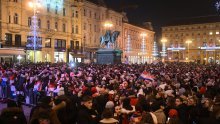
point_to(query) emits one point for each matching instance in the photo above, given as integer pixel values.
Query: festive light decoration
(155, 50)
(163, 53)
(143, 45)
(176, 49)
(128, 45)
(210, 48)
(34, 41)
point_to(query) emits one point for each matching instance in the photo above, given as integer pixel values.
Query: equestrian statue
(109, 39)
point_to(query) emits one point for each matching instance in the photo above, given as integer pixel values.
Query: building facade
(58, 35)
(65, 30)
(195, 39)
(95, 15)
(137, 43)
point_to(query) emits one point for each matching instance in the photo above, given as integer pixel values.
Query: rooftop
(194, 20)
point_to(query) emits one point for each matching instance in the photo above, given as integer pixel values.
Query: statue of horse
(114, 36)
(105, 38)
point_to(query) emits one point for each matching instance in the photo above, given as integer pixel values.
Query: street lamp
(188, 42)
(35, 4)
(19, 58)
(108, 25)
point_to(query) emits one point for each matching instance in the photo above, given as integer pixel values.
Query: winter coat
(161, 117)
(87, 116)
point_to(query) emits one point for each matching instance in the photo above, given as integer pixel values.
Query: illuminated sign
(176, 49)
(210, 48)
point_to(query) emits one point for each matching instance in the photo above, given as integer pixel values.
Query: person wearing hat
(173, 117)
(86, 114)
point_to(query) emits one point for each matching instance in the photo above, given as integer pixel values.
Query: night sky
(161, 12)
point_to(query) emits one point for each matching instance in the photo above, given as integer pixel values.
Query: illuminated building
(195, 39)
(137, 43)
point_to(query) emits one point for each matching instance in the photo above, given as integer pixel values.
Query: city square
(109, 62)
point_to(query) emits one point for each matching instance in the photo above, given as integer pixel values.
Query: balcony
(3, 44)
(14, 28)
(60, 49)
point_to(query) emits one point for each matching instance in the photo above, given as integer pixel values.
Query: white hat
(110, 105)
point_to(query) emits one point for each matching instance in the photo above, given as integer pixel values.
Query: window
(56, 10)
(72, 44)
(84, 26)
(30, 44)
(64, 12)
(77, 30)
(48, 7)
(90, 14)
(17, 40)
(94, 28)
(16, 18)
(29, 21)
(64, 44)
(77, 14)
(39, 23)
(90, 27)
(72, 28)
(48, 24)
(9, 19)
(64, 27)
(56, 25)
(73, 14)
(84, 12)
(8, 39)
(48, 42)
(60, 43)
(77, 45)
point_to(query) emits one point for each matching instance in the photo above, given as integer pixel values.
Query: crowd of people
(177, 93)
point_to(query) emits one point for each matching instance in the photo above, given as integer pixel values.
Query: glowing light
(72, 64)
(108, 24)
(210, 33)
(128, 45)
(217, 5)
(188, 41)
(164, 40)
(53, 4)
(31, 4)
(19, 57)
(163, 53)
(179, 48)
(155, 50)
(143, 44)
(209, 48)
(217, 32)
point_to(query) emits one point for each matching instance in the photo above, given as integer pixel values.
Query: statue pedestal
(108, 56)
